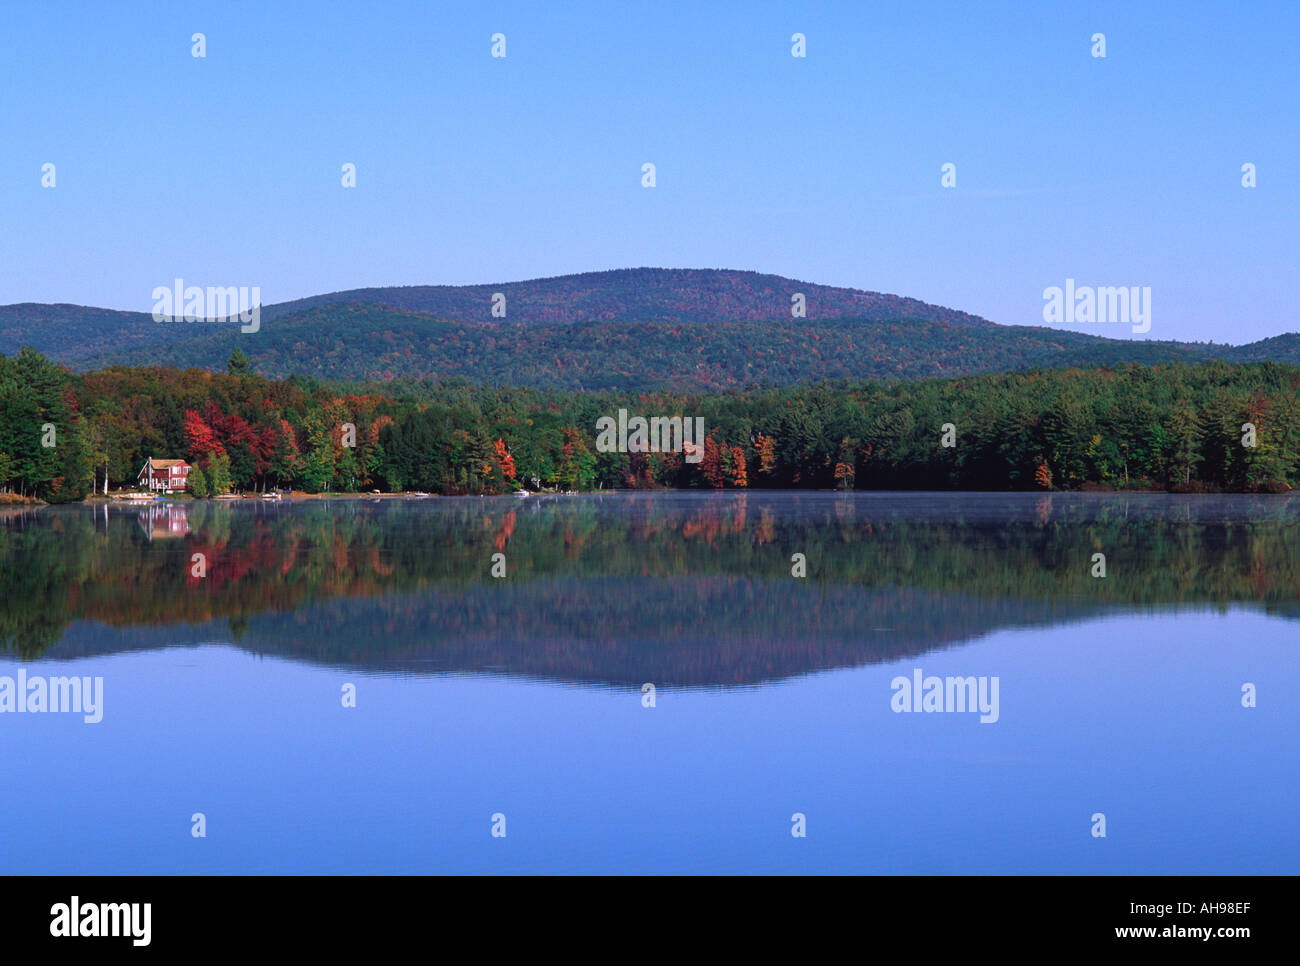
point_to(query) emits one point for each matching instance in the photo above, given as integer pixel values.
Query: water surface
(524, 695)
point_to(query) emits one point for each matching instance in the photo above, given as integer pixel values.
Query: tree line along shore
(1213, 427)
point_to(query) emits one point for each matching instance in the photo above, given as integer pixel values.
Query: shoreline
(301, 496)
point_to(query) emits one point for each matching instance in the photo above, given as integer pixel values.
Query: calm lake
(231, 638)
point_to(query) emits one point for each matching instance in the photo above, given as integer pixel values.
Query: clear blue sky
(226, 170)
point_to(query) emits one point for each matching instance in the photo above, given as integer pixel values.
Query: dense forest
(635, 330)
(1180, 427)
(377, 343)
(71, 333)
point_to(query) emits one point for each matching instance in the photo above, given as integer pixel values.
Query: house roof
(165, 464)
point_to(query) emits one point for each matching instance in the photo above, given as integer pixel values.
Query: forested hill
(628, 330)
(643, 295)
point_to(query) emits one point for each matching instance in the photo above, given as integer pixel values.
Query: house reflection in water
(163, 520)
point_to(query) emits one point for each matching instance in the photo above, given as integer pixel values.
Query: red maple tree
(200, 437)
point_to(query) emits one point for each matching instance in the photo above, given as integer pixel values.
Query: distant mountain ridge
(627, 329)
(642, 295)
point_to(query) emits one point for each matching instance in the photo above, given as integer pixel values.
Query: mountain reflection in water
(683, 589)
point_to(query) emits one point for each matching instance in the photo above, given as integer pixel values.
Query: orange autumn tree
(711, 464)
(505, 461)
(739, 476)
(1043, 476)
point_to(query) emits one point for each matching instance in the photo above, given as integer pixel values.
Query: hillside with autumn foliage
(632, 330)
(64, 435)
